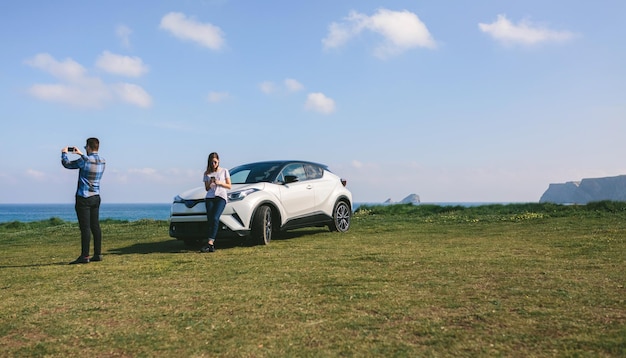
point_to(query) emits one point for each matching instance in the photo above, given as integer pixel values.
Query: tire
(341, 217)
(262, 225)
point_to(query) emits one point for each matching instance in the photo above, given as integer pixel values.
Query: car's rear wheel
(262, 225)
(341, 217)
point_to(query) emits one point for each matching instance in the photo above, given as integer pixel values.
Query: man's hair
(93, 143)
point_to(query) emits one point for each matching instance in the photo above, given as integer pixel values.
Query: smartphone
(71, 149)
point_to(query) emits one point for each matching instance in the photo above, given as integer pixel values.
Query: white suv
(267, 197)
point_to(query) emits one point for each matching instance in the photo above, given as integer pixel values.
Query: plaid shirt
(91, 169)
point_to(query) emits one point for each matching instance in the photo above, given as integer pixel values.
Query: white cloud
(290, 86)
(524, 32)
(80, 96)
(401, 31)
(133, 94)
(204, 34)
(68, 70)
(357, 164)
(35, 174)
(78, 89)
(293, 85)
(143, 171)
(215, 97)
(318, 102)
(121, 65)
(267, 87)
(124, 32)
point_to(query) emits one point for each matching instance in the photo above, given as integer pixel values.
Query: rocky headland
(586, 191)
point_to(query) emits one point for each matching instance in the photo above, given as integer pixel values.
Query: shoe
(95, 258)
(80, 260)
(208, 248)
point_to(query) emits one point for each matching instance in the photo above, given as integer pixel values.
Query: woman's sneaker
(208, 248)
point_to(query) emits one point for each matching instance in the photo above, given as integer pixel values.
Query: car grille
(191, 203)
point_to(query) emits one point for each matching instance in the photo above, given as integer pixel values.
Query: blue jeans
(214, 209)
(88, 214)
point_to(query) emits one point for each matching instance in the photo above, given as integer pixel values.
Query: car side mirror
(290, 179)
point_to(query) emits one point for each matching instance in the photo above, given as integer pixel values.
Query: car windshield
(255, 173)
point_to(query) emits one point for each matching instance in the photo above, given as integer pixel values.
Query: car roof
(283, 162)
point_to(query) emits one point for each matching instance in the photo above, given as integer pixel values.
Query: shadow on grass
(172, 247)
(288, 235)
(178, 246)
(62, 263)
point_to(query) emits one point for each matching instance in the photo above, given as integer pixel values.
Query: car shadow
(179, 247)
(288, 235)
(170, 247)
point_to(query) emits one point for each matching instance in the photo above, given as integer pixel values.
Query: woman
(217, 183)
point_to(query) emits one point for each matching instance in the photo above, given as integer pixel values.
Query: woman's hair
(212, 156)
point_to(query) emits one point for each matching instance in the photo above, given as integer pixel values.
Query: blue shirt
(91, 169)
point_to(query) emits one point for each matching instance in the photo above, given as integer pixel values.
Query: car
(267, 198)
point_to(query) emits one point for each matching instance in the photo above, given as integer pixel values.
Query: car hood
(199, 192)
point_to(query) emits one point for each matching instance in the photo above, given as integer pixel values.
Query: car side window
(313, 171)
(296, 170)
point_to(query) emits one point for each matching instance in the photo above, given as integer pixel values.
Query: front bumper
(191, 223)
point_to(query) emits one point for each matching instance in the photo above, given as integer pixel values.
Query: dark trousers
(214, 209)
(88, 213)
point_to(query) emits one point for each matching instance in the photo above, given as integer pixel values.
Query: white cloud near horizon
(79, 89)
(318, 102)
(524, 32)
(185, 28)
(400, 30)
(124, 32)
(35, 174)
(121, 65)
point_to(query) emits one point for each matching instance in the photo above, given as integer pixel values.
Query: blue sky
(456, 101)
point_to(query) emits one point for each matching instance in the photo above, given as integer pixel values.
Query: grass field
(405, 281)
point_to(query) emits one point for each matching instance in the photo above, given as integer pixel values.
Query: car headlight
(240, 194)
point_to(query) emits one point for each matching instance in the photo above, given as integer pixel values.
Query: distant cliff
(411, 199)
(586, 190)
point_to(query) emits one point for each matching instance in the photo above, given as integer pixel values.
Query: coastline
(137, 211)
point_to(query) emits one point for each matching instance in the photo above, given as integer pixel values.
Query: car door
(297, 197)
(322, 188)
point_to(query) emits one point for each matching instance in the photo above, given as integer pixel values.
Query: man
(91, 167)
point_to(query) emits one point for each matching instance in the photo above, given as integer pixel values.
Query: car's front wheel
(262, 225)
(341, 217)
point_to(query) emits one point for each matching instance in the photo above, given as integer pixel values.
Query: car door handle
(309, 186)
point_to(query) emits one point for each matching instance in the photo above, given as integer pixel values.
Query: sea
(125, 212)
(65, 212)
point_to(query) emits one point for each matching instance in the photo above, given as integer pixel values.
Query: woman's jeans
(214, 209)
(88, 214)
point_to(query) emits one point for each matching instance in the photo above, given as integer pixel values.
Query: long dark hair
(209, 167)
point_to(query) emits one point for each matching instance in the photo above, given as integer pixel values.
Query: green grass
(514, 280)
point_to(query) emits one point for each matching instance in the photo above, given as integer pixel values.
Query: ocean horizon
(128, 211)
